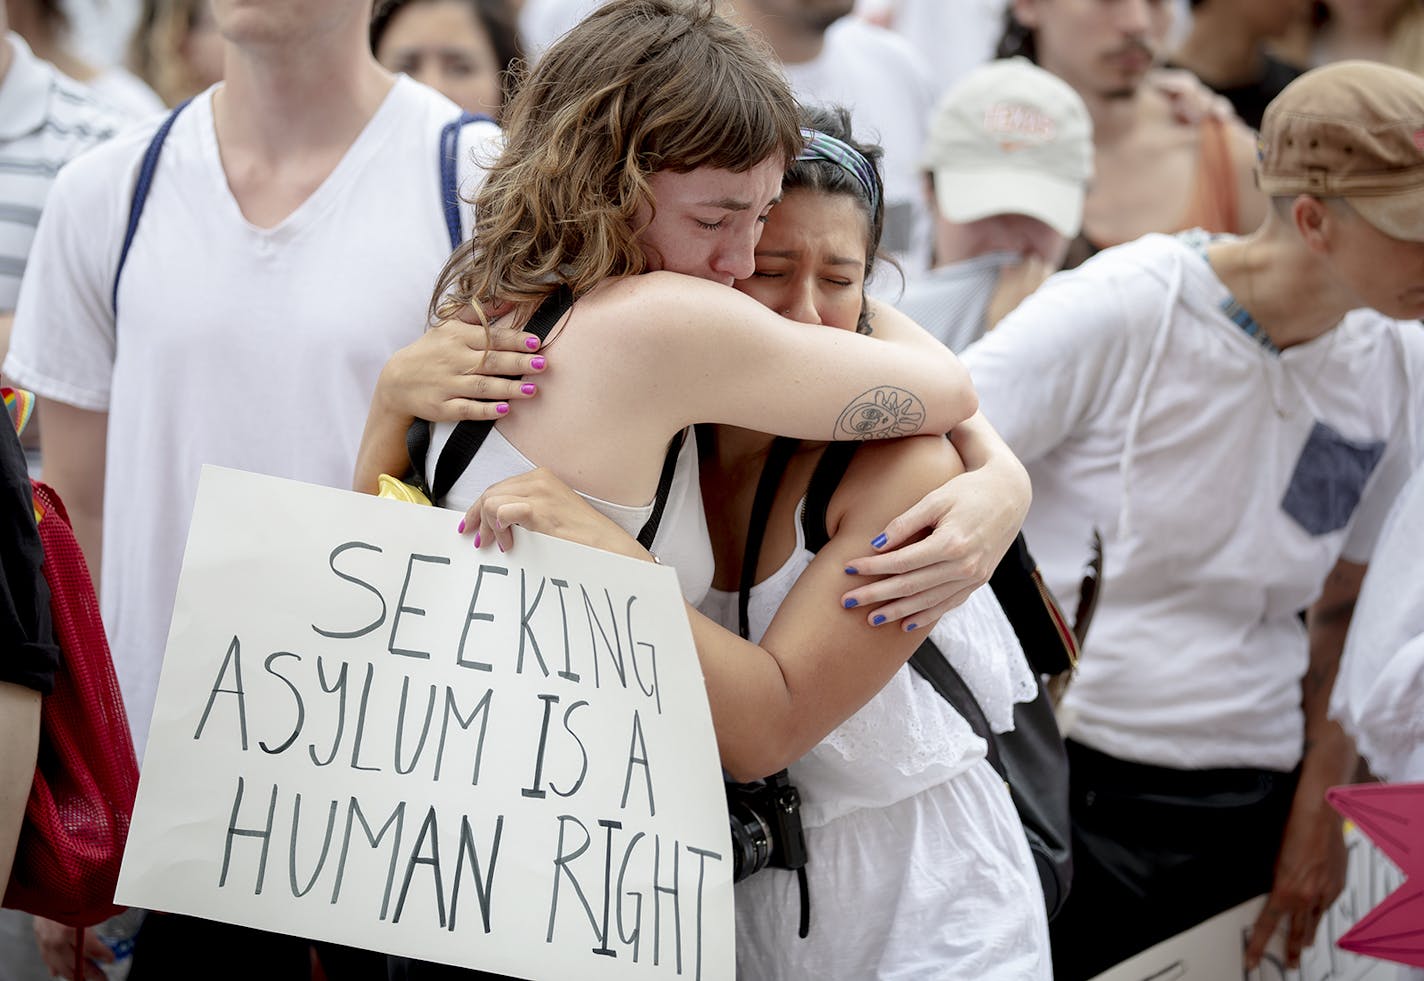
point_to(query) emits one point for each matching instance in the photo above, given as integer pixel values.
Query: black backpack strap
(934, 667)
(824, 481)
(450, 171)
(1043, 631)
(140, 196)
(777, 460)
(469, 434)
(650, 527)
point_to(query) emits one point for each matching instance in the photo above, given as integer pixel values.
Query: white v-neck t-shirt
(254, 348)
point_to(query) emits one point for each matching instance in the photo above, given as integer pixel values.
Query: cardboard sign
(370, 733)
(1212, 951)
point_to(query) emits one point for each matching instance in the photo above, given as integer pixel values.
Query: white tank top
(681, 543)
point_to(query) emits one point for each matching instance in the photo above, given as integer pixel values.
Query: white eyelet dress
(918, 866)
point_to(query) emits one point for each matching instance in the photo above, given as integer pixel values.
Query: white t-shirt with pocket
(1226, 481)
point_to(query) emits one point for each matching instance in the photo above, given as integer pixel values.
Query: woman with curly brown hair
(642, 154)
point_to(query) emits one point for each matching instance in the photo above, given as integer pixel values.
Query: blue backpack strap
(140, 195)
(450, 170)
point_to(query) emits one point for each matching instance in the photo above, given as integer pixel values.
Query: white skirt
(939, 885)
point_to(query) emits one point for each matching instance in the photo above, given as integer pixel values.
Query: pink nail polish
(501, 547)
(537, 363)
(527, 388)
(502, 408)
(477, 539)
(532, 343)
(461, 530)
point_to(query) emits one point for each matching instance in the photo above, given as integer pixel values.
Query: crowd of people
(1139, 279)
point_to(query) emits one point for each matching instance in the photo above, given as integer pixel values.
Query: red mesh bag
(77, 818)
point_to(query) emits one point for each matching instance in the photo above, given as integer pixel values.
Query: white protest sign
(1212, 951)
(370, 733)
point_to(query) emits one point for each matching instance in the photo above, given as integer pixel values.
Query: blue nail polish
(851, 602)
(913, 626)
(879, 541)
(878, 619)
(851, 571)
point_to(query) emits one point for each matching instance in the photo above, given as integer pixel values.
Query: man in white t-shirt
(293, 231)
(1007, 164)
(831, 58)
(1234, 416)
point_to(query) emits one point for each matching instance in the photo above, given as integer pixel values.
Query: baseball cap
(1011, 138)
(1352, 129)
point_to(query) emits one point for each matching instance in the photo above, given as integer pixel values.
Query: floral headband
(820, 146)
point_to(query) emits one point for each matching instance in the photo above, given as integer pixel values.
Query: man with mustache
(1154, 172)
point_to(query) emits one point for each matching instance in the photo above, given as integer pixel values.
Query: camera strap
(779, 457)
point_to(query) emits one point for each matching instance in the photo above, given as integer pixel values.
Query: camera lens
(751, 840)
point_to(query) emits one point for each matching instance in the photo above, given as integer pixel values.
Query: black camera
(766, 826)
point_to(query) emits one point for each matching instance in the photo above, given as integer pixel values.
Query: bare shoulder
(1162, 124)
(662, 304)
(887, 476)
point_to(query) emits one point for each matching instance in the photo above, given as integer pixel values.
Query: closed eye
(711, 226)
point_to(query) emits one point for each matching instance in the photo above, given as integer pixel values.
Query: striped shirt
(951, 301)
(46, 119)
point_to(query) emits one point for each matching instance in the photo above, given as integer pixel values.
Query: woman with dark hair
(464, 49)
(917, 864)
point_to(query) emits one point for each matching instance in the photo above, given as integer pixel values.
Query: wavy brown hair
(637, 87)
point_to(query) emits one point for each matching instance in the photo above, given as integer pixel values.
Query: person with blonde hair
(176, 48)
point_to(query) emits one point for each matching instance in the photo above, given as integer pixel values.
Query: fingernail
(913, 626)
(527, 388)
(532, 343)
(851, 602)
(502, 408)
(461, 530)
(477, 539)
(501, 546)
(878, 619)
(851, 571)
(879, 542)
(537, 363)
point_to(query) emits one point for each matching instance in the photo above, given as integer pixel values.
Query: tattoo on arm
(881, 413)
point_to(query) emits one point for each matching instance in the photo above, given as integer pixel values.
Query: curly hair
(638, 87)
